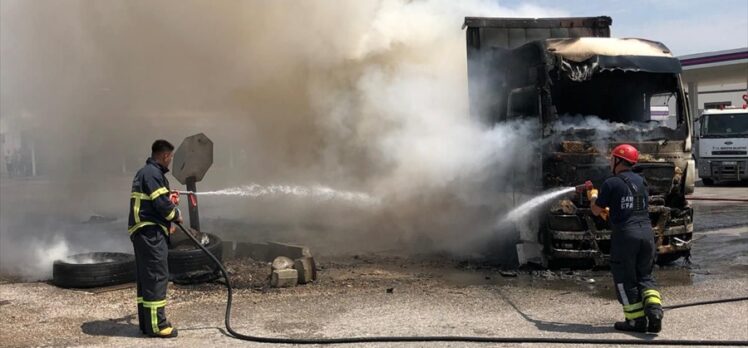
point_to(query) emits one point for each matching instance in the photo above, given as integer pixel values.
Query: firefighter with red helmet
(632, 247)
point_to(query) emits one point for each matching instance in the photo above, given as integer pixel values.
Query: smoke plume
(361, 96)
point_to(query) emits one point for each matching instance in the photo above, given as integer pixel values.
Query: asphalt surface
(383, 294)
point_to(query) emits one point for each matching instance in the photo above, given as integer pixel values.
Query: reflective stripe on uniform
(139, 195)
(138, 225)
(633, 307)
(633, 311)
(140, 300)
(172, 214)
(135, 227)
(634, 315)
(652, 297)
(154, 306)
(154, 319)
(157, 304)
(136, 210)
(157, 192)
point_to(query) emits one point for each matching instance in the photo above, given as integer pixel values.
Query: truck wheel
(707, 181)
(189, 264)
(93, 270)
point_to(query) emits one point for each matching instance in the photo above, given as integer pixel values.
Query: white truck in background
(722, 145)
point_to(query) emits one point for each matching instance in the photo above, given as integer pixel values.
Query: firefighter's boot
(167, 332)
(653, 310)
(654, 316)
(633, 325)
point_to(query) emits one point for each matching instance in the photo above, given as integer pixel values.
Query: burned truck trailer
(585, 93)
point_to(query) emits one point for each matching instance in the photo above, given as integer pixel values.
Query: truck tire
(707, 181)
(93, 270)
(189, 264)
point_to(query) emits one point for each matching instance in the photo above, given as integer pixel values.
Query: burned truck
(585, 93)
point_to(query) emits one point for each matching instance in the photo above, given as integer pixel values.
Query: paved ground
(430, 296)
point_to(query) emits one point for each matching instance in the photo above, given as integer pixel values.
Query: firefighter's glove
(605, 214)
(592, 194)
(174, 197)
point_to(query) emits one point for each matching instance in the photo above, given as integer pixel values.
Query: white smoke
(364, 96)
(603, 132)
(604, 128)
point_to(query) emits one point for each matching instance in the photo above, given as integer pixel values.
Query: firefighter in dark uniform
(151, 214)
(632, 246)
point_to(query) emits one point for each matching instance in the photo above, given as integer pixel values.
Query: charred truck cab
(586, 93)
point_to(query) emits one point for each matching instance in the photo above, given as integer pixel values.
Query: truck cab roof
(731, 111)
(583, 48)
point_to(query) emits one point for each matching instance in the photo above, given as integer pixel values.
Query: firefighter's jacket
(149, 201)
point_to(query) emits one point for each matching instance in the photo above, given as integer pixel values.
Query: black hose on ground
(474, 339)
(701, 303)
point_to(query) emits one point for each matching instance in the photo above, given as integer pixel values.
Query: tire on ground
(189, 264)
(93, 270)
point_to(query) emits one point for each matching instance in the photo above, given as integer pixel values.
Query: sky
(685, 26)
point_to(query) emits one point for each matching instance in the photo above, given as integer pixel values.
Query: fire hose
(474, 339)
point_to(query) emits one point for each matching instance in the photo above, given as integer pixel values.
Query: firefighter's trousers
(152, 276)
(632, 256)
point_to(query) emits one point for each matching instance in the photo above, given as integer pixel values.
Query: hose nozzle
(190, 195)
(183, 193)
(587, 186)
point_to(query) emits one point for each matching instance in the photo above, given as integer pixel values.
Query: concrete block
(307, 269)
(257, 251)
(289, 250)
(268, 252)
(293, 251)
(284, 278)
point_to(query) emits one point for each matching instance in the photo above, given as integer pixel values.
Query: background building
(716, 79)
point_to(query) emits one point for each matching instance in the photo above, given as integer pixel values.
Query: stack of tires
(189, 264)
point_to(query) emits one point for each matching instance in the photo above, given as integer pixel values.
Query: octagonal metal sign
(193, 158)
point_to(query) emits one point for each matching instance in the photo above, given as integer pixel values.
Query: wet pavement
(711, 215)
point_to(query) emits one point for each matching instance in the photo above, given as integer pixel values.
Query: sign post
(191, 161)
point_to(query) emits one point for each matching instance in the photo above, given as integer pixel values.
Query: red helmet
(626, 152)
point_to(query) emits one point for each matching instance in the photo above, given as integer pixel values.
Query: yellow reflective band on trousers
(633, 311)
(154, 306)
(652, 297)
(157, 304)
(140, 300)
